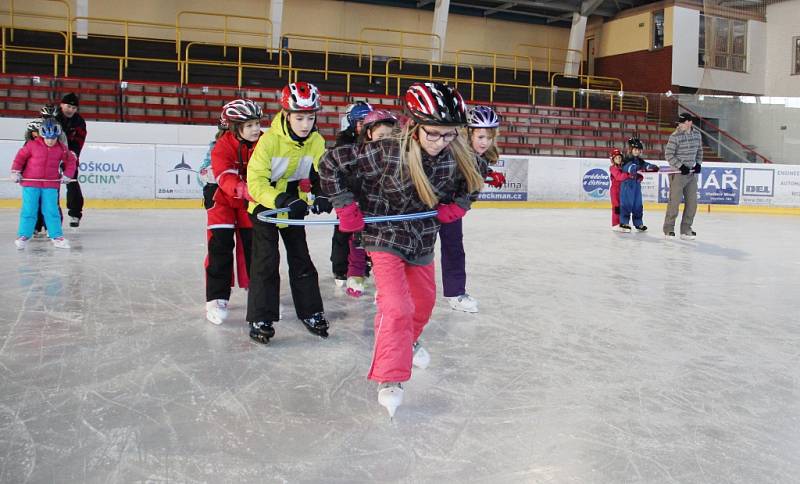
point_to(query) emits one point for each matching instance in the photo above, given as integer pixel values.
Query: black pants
(221, 257)
(263, 298)
(74, 198)
(340, 249)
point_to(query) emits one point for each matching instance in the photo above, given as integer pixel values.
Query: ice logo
(596, 183)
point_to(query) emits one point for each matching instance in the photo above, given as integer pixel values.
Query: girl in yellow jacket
(278, 177)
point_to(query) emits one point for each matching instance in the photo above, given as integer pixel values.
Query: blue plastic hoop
(266, 216)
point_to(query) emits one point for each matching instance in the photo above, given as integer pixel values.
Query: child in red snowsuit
(617, 177)
(229, 226)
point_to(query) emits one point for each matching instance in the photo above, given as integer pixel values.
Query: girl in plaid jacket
(428, 167)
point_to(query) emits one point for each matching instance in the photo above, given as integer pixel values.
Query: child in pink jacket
(36, 168)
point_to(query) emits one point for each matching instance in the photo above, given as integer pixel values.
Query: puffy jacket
(229, 160)
(75, 129)
(39, 161)
(279, 163)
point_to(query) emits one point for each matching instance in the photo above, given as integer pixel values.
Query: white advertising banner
(515, 169)
(176, 171)
(117, 171)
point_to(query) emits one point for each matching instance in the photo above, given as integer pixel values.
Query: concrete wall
(784, 26)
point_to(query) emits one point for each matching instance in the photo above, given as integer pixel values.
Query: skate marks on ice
(594, 358)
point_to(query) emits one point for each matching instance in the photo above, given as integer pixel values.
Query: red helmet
(239, 111)
(435, 103)
(378, 116)
(300, 96)
(614, 153)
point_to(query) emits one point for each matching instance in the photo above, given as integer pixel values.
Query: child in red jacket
(36, 168)
(229, 226)
(617, 177)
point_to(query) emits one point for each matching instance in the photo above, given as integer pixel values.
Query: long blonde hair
(411, 156)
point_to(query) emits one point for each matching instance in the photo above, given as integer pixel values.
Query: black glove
(321, 204)
(298, 209)
(697, 168)
(684, 169)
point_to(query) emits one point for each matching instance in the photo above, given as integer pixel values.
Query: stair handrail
(726, 134)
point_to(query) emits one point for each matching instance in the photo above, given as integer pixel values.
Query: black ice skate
(262, 331)
(641, 228)
(317, 324)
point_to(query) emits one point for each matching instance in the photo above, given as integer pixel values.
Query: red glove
(449, 212)
(241, 192)
(305, 185)
(350, 218)
(495, 179)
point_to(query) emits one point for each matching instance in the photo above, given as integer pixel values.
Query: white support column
(439, 28)
(82, 26)
(577, 34)
(276, 17)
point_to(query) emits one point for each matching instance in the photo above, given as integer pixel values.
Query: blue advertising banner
(717, 185)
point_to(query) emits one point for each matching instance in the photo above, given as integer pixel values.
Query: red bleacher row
(525, 130)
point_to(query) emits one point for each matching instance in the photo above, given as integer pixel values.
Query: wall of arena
(147, 165)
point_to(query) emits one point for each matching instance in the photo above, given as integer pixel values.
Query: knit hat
(70, 99)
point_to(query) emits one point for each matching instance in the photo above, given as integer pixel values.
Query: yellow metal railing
(127, 25)
(402, 44)
(494, 56)
(549, 57)
(327, 41)
(398, 76)
(591, 82)
(239, 65)
(32, 50)
(225, 30)
(66, 18)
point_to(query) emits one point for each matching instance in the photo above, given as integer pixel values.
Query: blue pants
(630, 202)
(454, 274)
(31, 198)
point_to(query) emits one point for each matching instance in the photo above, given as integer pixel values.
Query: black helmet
(635, 143)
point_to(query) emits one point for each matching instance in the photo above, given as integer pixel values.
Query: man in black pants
(75, 128)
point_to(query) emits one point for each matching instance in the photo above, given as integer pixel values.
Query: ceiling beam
(422, 3)
(500, 8)
(515, 12)
(588, 7)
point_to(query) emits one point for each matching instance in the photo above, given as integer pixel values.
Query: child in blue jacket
(630, 195)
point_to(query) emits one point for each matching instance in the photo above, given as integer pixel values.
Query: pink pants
(406, 295)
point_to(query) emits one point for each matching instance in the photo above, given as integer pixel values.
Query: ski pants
(40, 218)
(263, 298)
(614, 203)
(681, 186)
(32, 198)
(356, 258)
(406, 294)
(74, 197)
(630, 202)
(229, 234)
(340, 251)
(454, 273)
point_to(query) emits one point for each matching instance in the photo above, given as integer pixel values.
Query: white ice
(596, 357)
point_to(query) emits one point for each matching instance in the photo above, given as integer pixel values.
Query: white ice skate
(217, 311)
(340, 282)
(390, 395)
(61, 243)
(690, 236)
(421, 356)
(355, 286)
(618, 228)
(464, 302)
(21, 242)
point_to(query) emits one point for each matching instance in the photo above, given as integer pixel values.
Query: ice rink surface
(596, 357)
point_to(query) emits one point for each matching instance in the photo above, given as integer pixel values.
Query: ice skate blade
(259, 338)
(213, 319)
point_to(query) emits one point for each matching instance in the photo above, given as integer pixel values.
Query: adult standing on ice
(684, 152)
(75, 128)
(429, 167)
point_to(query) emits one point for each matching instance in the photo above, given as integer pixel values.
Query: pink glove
(350, 218)
(241, 192)
(449, 212)
(305, 185)
(495, 179)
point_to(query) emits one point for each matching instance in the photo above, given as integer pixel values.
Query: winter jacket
(633, 164)
(39, 161)
(75, 129)
(684, 148)
(229, 159)
(387, 189)
(617, 177)
(279, 163)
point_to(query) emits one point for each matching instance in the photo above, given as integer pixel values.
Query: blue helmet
(50, 129)
(358, 112)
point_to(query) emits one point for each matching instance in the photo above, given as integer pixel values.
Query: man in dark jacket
(75, 128)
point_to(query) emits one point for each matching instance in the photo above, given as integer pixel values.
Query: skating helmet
(50, 129)
(240, 111)
(614, 153)
(436, 104)
(300, 96)
(35, 125)
(379, 116)
(358, 112)
(48, 111)
(483, 117)
(635, 143)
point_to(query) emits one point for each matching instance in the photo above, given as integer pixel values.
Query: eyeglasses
(434, 136)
